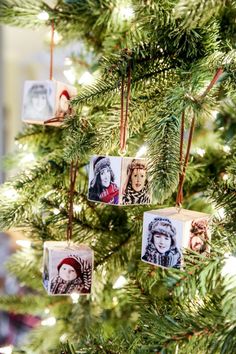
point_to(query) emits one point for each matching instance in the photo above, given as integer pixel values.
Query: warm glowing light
(142, 151)
(23, 243)
(46, 311)
(221, 213)
(125, 12)
(57, 37)
(86, 79)
(10, 193)
(70, 75)
(214, 114)
(77, 208)
(75, 297)
(229, 268)
(56, 211)
(226, 148)
(50, 321)
(67, 61)
(225, 177)
(43, 16)
(28, 158)
(200, 152)
(63, 338)
(6, 350)
(120, 282)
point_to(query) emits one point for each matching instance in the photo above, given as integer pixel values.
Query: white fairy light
(70, 75)
(226, 148)
(28, 158)
(23, 243)
(6, 350)
(47, 311)
(86, 78)
(77, 208)
(200, 152)
(50, 321)
(229, 268)
(56, 211)
(120, 282)
(75, 297)
(214, 114)
(125, 12)
(10, 193)
(63, 338)
(221, 213)
(43, 16)
(225, 177)
(56, 38)
(142, 151)
(67, 61)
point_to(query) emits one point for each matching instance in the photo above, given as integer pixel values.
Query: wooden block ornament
(166, 232)
(67, 268)
(118, 180)
(46, 100)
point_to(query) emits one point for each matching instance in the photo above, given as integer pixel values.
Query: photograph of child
(199, 236)
(74, 274)
(135, 188)
(63, 104)
(38, 100)
(104, 172)
(160, 244)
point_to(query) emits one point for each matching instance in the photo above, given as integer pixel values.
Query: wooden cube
(118, 180)
(46, 100)
(166, 232)
(67, 268)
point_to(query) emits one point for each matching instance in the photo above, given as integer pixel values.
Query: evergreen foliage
(173, 48)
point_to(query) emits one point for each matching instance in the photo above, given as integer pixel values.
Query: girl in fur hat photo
(74, 275)
(135, 188)
(161, 248)
(199, 237)
(103, 187)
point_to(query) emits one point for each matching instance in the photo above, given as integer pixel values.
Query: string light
(28, 158)
(11, 194)
(229, 270)
(221, 213)
(142, 151)
(70, 75)
(225, 177)
(120, 282)
(50, 321)
(63, 338)
(200, 152)
(75, 297)
(46, 311)
(77, 208)
(56, 211)
(57, 37)
(226, 148)
(23, 243)
(125, 12)
(43, 16)
(86, 78)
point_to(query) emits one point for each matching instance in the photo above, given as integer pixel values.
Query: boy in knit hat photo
(103, 181)
(74, 275)
(160, 244)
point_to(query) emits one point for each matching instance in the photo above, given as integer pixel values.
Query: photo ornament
(118, 180)
(67, 268)
(167, 232)
(46, 100)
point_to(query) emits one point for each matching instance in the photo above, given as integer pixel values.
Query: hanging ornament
(67, 267)
(166, 232)
(48, 101)
(118, 180)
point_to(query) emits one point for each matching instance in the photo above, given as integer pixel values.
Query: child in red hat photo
(74, 275)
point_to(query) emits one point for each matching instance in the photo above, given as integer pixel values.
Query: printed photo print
(135, 187)
(38, 100)
(71, 272)
(162, 241)
(199, 237)
(104, 179)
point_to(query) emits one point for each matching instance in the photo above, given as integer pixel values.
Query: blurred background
(24, 55)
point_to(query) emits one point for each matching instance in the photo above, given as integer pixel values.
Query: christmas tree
(170, 65)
